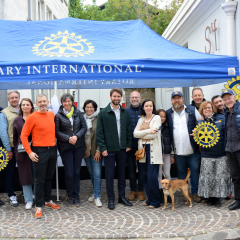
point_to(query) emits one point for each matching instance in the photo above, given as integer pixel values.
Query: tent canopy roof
(98, 54)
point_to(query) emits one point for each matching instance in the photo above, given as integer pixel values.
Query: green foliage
(121, 10)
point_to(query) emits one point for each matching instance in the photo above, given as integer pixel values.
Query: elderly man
(43, 153)
(218, 103)
(182, 120)
(114, 138)
(6, 134)
(198, 97)
(135, 113)
(232, 129)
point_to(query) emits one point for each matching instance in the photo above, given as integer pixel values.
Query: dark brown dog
(170, 187)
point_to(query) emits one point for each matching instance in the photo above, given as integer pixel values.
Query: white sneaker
(98, 202)
(28, 205)
(13, 201)
(91, 199)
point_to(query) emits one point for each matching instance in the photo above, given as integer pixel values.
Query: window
(29, 10)
(48, 14)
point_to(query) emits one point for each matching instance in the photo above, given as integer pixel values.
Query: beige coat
(155, 139)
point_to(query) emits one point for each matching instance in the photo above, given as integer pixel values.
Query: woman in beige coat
(147, 132)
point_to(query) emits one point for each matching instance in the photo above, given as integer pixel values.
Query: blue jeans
(194, 161)
(27, 189)
(150, 179)
(95, 172)
(131, 163)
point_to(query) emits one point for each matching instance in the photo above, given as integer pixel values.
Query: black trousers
(44, 170)
(72, 160)
(120, 157)
(234, 164)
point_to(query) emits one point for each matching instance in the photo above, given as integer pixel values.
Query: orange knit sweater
(42, 128)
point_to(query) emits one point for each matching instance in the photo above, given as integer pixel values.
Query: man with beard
(114, 138)
(218, 103)
(6, 134)
(43, 153)
(232, 130)
(198, 97)
(182, 120)
(135, 113)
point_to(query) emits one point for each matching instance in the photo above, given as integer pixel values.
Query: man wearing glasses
(135, 113)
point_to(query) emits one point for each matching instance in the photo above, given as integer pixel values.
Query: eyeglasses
(89, 107)
(207, 108)
(134, 97)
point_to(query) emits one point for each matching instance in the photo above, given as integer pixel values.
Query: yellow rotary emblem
(63, 44)
(3, 158)
(206, 134)
(234, 85)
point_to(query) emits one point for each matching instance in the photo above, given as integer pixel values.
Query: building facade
(208, 26)
(31, 10)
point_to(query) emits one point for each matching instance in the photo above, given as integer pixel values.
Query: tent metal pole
(57, 184)
(78, 96)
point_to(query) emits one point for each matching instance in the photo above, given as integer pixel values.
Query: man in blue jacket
(181, 120)
(135, 113)
(232, 129)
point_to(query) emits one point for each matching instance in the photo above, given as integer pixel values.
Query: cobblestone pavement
(137, 221)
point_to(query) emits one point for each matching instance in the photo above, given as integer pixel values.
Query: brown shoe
(141, 196)
(196, 198)
(132, 196)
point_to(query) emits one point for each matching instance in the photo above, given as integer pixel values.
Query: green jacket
(107, 134)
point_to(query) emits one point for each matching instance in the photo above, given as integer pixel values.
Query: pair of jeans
(233, 159)
(72, 161)
(95, 172)
(10, 170)
(120, 157)
(131, 163)
(150, 179)
(194, 161)
(44, 171)
(27, 189)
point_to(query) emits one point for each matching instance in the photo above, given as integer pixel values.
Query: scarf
(210, 119)
(89, 120)
(69, 115)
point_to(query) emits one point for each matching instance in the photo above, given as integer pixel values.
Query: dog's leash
(163, 172)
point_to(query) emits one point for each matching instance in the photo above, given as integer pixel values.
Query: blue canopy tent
(96, 54)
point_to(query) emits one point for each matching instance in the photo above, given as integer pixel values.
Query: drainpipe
(229, 8)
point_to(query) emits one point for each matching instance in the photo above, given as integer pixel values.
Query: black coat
(64, 129)
(166, 140)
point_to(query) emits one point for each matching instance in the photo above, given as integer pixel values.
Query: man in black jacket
(114, 138)
(198, 97)
(135, 113)
(218, 103)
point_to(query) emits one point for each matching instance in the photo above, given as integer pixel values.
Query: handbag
(140, 153)
(21, 149)
(86, 152)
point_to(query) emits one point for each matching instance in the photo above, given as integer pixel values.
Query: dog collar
(169, 187)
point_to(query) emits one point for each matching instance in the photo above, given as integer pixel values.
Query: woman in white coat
(147, 132)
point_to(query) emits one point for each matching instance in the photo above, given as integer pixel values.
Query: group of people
(115, 134)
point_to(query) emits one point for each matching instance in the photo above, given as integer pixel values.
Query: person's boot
(235, 205)
(218, 202)
(132, 195)
(141, 196)
(210, 201)
(161, 195)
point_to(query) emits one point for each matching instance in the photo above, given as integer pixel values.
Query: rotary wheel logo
(234, 85)
(63, 44)
(206, 134)
(3, 158)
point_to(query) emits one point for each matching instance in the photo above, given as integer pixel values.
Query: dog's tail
(188, 174)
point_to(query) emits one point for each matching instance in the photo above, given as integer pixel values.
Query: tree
(120, 10)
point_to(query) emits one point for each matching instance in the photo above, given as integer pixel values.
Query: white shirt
(182, 144)
(117, 114)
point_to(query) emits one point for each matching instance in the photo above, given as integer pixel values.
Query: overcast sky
(99, 2)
